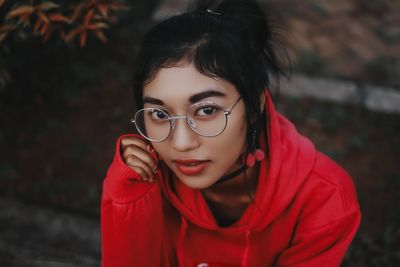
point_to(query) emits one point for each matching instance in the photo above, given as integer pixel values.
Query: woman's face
(196, 160)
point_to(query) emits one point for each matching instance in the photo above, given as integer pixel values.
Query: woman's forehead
(183, 82)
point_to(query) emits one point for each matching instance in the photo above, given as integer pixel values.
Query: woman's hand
(136, 154)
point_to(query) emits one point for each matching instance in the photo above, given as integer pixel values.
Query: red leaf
(88, 17)
(83, 38)
(44, 28)
(63, 35)
(58, 17)
(43, 17)
(25, 19)
(3, 36)
(37, 25)
(77, 11)
(47, 35)
(7, 28)
(99, 25)
(91, 3)
(119, 6)
(100, 35)
(71, 35)
(103, 9)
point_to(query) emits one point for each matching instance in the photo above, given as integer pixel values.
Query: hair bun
(249, 18)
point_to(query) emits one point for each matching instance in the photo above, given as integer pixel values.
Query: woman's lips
(190, 166)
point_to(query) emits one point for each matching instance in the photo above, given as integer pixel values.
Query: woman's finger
(131, 140)
(141, 154)
(139, 166)
(140, 172)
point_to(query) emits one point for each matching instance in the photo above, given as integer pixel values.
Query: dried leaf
(63, 35)
(44, 29)
(43, 17)
(100, 35)
(119, 6)
(71, 35)
(91, 3)
(47, 6)
(47, 36)
(58, 17)
(25, 19)
(98, 17)
(5, 76)
(21, 10)
(103, 9)
(112, 19)
(83, 38)
(88, 18)
(37, 25)
(3, 36)
(7, 28)
(97, 26)
(77, 12)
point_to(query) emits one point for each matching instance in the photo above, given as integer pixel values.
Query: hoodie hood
(291, 158)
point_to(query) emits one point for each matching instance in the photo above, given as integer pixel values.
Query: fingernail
(155, 169)
(150, 148)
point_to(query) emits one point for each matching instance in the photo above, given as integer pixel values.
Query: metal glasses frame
(189, 121)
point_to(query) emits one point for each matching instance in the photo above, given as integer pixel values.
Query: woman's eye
(158, 115)
(207, 111)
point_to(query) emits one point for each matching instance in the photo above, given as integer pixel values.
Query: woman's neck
(229, 200)
(241, 187)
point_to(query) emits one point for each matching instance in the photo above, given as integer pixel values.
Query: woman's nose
(183, 137)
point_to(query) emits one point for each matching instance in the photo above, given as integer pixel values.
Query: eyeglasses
(207, 119)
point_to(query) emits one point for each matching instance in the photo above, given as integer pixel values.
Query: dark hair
(235, 42)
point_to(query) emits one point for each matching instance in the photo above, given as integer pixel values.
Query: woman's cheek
(160, 150)
(230, 148)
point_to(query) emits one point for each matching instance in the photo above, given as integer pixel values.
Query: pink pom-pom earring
(257, 155)
(251, 159)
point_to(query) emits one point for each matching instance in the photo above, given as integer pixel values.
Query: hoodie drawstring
(246, 250)
(182, 233)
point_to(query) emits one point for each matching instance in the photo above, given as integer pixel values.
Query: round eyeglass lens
(207, 119)
(153, 123)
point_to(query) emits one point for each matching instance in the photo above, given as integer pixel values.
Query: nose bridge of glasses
(173, 119)
(182, 132)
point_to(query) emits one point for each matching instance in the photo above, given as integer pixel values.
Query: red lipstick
(190, 166)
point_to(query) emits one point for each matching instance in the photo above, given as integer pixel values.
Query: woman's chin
(198, 182)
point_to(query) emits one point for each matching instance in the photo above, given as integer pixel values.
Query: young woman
(216, 177)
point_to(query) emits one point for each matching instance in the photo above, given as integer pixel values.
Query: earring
(257, 155)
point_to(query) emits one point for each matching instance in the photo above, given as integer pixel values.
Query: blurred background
(65, 97)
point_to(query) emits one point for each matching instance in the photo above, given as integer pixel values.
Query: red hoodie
(305, 213)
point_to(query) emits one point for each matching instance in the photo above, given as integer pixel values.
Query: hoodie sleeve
(131, 218)
(328, 222)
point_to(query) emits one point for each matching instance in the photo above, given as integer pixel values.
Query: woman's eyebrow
(193, 99)
(200, 96)
(151, 100)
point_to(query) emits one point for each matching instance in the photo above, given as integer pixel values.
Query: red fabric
(305, 213)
